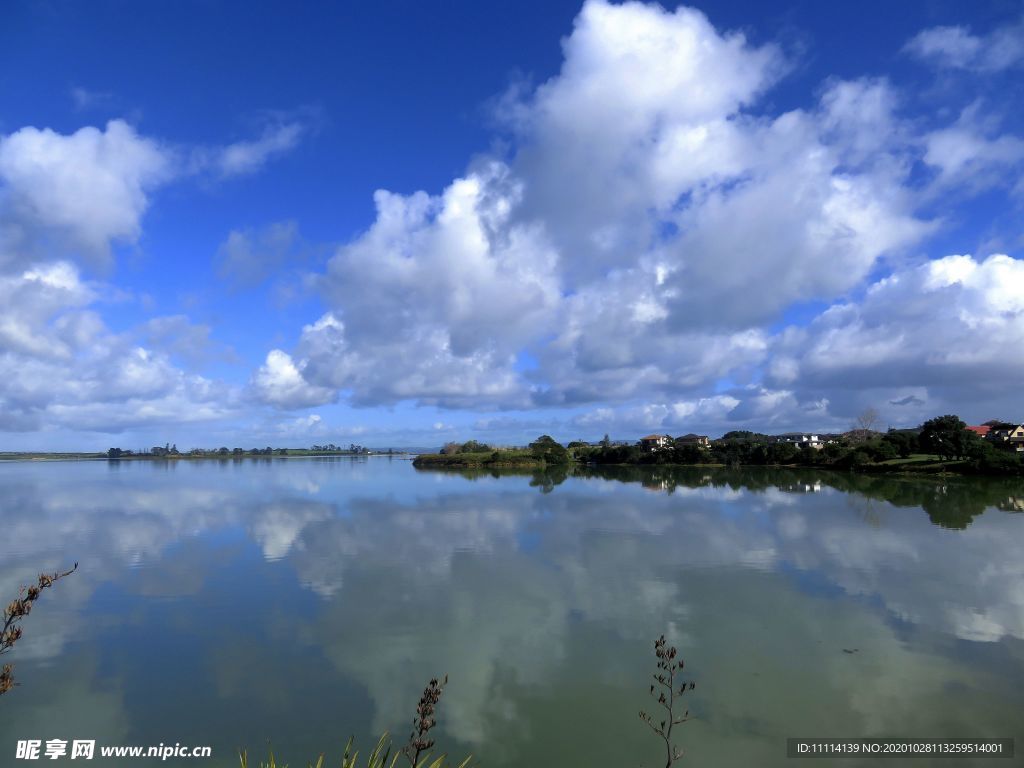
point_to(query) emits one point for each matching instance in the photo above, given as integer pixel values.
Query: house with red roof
(655, 442)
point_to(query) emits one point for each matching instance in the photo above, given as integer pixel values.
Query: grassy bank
(501, 459)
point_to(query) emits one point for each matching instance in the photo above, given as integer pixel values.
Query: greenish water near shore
(226, 603)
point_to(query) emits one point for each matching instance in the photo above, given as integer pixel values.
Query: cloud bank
(639, 248)
(656, 245)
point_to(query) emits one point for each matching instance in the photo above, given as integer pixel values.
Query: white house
(803, 439)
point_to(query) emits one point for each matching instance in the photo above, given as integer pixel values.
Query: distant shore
(920, 465)
(37, 456)
(290, 453)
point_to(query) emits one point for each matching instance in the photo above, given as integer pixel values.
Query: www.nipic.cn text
(54, 749)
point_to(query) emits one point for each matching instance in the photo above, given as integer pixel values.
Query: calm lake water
(305, 600)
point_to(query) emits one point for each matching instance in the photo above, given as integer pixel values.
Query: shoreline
(930, 469)
(14, 456)
(427, 461)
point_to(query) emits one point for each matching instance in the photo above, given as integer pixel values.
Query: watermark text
(82, 749)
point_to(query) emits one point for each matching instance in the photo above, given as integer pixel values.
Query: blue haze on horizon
(398, 224)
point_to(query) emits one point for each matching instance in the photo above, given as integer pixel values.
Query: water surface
(301, 601)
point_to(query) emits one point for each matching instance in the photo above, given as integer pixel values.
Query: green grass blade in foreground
(378, 758)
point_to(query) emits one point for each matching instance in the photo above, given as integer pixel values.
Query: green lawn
(914, 458)
(499, 458)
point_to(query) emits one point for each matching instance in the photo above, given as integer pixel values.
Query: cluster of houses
(658, 442)
(1002, 434)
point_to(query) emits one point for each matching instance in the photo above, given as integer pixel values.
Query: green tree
(948, 437)
(903, 440)
(880, 450)
(782, 453)
(548, 450)
(832, 452)
(687, 454)
(745, 435)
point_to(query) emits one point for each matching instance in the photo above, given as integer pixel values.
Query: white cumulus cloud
(280, 382)
(948, 329)
(82, 190)
(643, 232)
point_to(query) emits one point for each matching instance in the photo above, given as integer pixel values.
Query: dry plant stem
(15, 612)
(419, 742)
(666, 681)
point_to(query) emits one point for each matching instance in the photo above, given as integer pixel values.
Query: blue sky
(405, 223)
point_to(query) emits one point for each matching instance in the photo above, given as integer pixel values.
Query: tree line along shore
(171, 452)
(942, 444)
